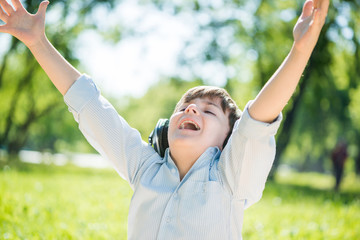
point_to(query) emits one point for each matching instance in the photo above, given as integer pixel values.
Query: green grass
(304, 206)
(48, 202)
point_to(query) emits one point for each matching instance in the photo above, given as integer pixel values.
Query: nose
(192, 108)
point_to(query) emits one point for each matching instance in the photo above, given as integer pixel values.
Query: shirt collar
(209, 156)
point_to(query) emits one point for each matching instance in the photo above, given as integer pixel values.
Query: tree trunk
(13, 45)
(13, 105)
(285, 134)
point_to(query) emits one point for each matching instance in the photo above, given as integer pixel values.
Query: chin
(192, 145)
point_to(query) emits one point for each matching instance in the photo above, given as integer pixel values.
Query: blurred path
(78, 159)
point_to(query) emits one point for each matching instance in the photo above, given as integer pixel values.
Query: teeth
(182, 126)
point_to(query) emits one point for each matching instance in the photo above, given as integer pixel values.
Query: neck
(184, 160)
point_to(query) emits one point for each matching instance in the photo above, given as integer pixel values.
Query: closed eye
(210, 112)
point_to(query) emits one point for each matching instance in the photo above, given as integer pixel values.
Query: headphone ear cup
(163, 139)
(158, 137)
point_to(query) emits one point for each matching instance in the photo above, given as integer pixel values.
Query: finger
(8, 9)
(317, 23)
(324, 5)
(321, 12)
(3, 15)
(42, 8)
(17, 4)
(316, 3)
(319, 17)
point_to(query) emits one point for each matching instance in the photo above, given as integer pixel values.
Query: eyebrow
(213, 104)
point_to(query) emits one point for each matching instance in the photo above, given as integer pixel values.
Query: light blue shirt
(209, 202)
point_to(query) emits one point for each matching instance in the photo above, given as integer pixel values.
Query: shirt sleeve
(246, 160)
(106, 130)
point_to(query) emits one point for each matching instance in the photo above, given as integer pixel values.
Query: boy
(215, 166)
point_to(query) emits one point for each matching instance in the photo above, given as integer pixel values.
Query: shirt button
(173, 170)
(168, 220)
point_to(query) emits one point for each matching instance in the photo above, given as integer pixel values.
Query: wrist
(300, 53)
(39, 44)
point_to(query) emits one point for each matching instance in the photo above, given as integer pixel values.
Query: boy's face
(198, 124)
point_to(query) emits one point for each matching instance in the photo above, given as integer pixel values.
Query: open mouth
(190, 125)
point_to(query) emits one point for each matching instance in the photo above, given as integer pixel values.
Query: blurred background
(145, 54)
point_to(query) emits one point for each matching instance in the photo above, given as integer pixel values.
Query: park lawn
(304, 206)
(49, 202)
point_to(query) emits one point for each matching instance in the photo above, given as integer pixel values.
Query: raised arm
(277, 91)
(30, 29)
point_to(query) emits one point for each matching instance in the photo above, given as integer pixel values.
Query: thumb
(308, 9)
(3, 28)
(42, 8)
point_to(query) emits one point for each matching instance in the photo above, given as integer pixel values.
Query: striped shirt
(209, 202)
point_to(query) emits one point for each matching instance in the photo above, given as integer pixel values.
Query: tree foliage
(33, 113)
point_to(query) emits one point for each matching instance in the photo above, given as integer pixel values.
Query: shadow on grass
(299, 192)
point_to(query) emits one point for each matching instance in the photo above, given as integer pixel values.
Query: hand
(308, 27)
(28, 28)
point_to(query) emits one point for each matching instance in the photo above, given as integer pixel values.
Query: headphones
(159, 136)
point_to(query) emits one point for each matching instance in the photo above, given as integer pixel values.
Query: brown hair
(227, 103)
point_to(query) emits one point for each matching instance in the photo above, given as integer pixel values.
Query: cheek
(220, 132)
(172, 126)
(172, 121)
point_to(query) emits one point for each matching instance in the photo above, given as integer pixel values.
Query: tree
(25, 92)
